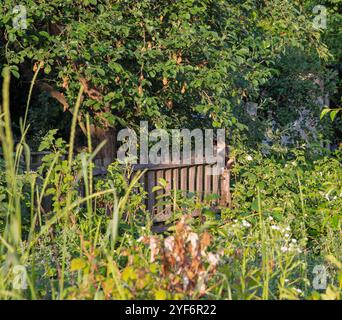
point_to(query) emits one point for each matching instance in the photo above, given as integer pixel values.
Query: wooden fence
(189, 178)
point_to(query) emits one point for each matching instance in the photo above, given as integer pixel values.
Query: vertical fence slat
(207, 180)
(215, 189)
(191, 180)
(199, 181)
(151, 182)
(225, 191)
(175, 179)
(168, 178)
(184, 179)
(159, 174)
(176, 176)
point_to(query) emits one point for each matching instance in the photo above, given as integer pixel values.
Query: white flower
(275, 227)
(294, 241)
(270, 218)
(169, 243)
(284, 249)
(193, 239)
(298, 290)
(141, 239)
(154, 249)
(246, 224)
(185, 282)
(213, 259)
(202, 288)
(287, 235)
(249, 158)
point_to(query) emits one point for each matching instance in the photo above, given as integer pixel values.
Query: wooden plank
(175, 183)
(199, 182)
(208, 180)
(159, 174)
(175, 179)
(163, 166)
(151, 182)
(225, 188)
(191, 179)
(215, 188)
(184, 180)
(168, 178)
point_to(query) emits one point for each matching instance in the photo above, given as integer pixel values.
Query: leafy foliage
(172, 63)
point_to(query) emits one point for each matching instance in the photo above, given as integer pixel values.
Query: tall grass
(18, 249)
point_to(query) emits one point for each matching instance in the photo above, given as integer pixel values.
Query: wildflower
(275, 227)
(246, 224)
(294, 241)
(249, 158)
(185, 282)
(154, 248)
(202, 288)
(298, 290)
(284, 249)
(213, 259)
(141, 239)
(193, 239)
(169, 243)
(270, 218)
(287, 235)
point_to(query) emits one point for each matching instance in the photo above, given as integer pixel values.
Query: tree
(173, 63)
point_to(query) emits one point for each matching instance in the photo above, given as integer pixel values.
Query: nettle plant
(174, 63)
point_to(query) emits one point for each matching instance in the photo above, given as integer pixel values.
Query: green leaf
(15, 73)
(156, 188)
(324, 112)
(333, 114)
(101, 72)
(162, 182)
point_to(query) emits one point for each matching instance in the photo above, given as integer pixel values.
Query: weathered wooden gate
(191, 178)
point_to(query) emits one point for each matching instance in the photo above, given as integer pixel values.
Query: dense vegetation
(84, 69)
